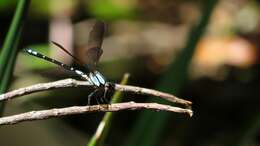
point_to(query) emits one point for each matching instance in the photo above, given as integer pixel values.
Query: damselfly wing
(92, 55)
(94, 51)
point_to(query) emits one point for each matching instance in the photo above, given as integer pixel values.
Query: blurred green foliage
(149, 128)
(109, 9)
(4, 4)
(105, 9)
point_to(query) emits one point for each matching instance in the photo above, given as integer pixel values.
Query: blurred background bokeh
(205, 51)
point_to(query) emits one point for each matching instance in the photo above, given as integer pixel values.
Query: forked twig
(44, 114)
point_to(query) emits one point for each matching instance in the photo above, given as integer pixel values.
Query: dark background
(169, 45)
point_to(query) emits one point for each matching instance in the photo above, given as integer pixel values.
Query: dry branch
(57, 112)
(74, 83)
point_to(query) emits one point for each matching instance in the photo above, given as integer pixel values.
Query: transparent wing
(67, 52)
(94, 50)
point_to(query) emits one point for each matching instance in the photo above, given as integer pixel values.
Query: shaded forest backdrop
(205, 51)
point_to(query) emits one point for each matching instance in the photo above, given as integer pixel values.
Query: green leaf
(10, 49)
(16, 25)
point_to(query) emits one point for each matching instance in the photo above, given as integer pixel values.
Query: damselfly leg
(99, 98)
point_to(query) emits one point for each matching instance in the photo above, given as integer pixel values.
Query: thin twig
(75, 83)
(57, 112)
(151, 92)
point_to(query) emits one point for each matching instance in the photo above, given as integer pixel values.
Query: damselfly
(93, 54)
